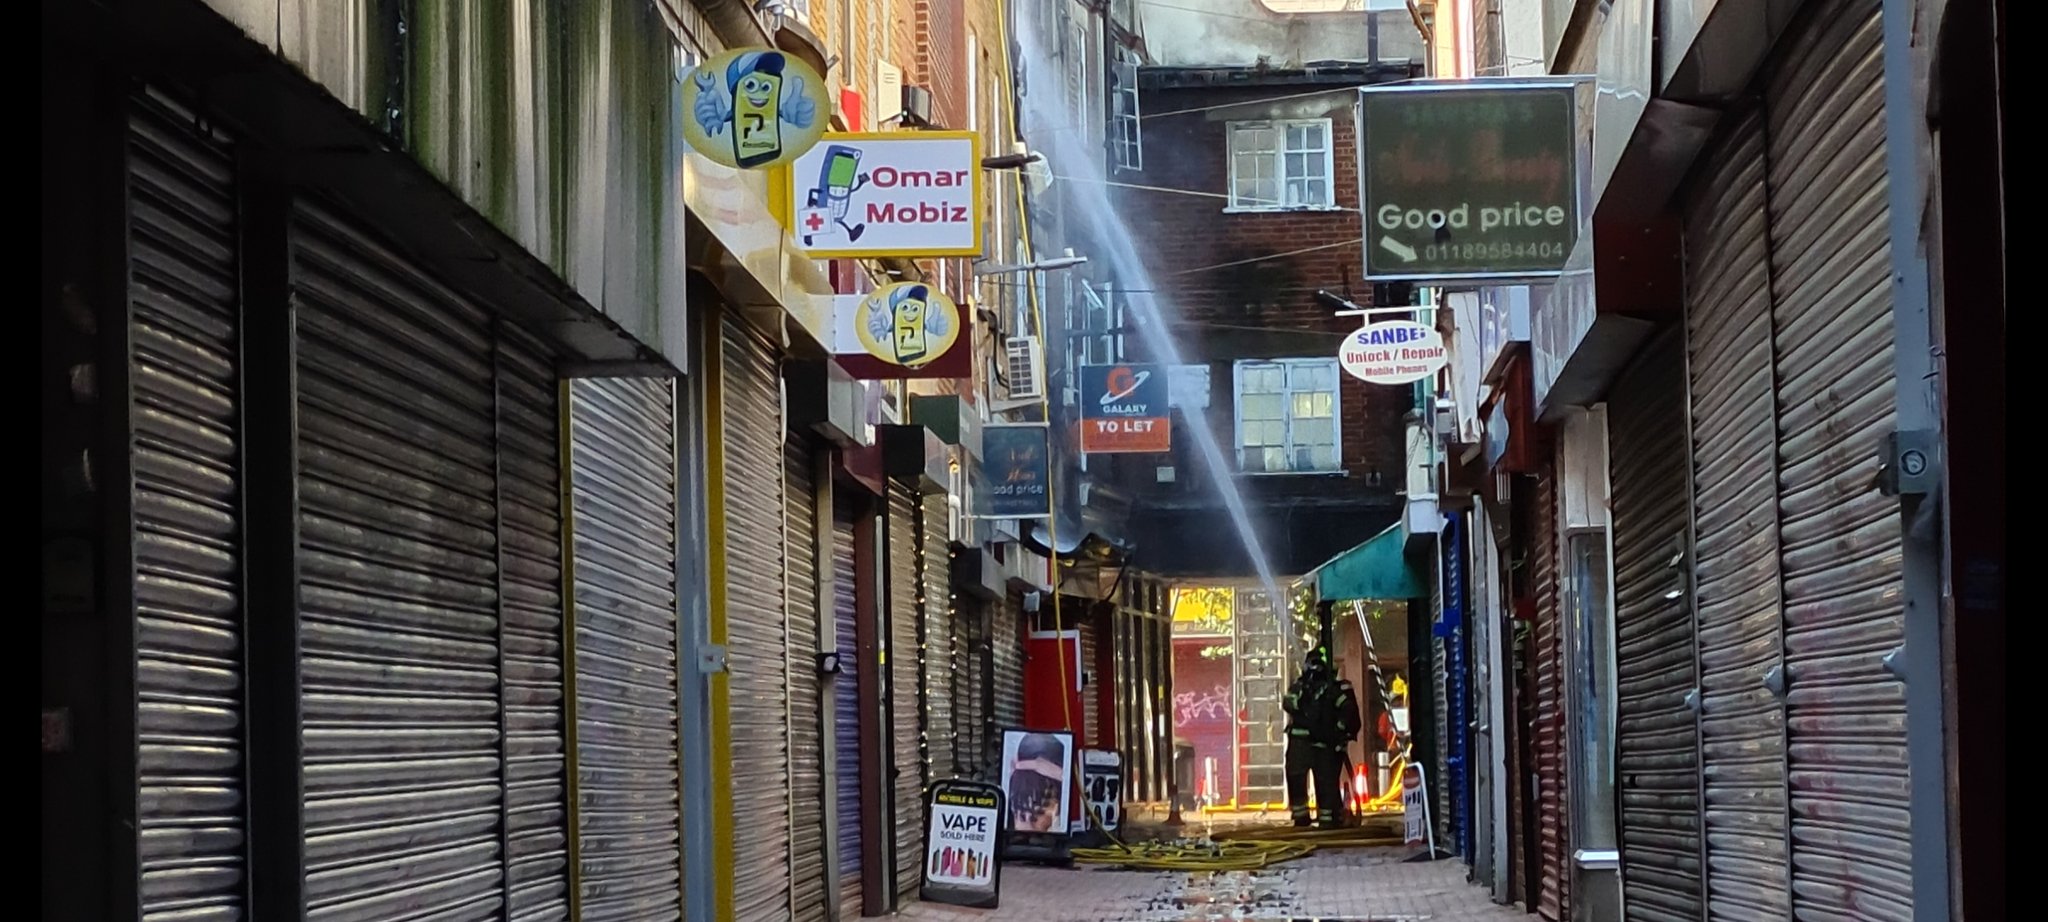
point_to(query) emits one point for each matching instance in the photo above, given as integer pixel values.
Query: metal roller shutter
(1657, 740)
(183, 290)
(1006, 641)
(1728, 343)
(756, 624)
(530, 555)
(1454, 691)
(906, 727)
(972, 691)
(623, 520)
(936, 642)
(846, 710)
(1547, 736)
(399, 598)
(806, 726)
(1846, 713)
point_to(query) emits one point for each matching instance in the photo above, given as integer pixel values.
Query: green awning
(1375, 569)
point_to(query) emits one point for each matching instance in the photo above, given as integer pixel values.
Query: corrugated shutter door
(1846, 717)
(906, 731)
(1007, 641)
(756, 626)
(973, 691)
(623, 479)
(1453, 692)
(1657, 740)
(1728, 341)
(1548, 733)
(806, 729)
(530, 510)
(846, 711)
(184, 291)
(399, 627)
(935, 567)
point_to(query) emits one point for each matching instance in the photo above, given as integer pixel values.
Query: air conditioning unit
(1024, 367)
(917, 105)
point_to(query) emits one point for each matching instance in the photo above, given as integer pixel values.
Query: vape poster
(1037, 780)
(962, 843)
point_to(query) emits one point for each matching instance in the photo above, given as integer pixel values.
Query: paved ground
(1354, 885)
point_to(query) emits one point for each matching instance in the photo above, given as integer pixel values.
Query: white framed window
(1287, 413)
(1281, 165)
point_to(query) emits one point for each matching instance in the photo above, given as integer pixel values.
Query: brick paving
(1352, 885)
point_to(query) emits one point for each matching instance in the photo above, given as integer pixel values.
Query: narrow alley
(954, 460)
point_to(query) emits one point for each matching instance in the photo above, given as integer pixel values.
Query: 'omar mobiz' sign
(1477, 179)
(888, 194)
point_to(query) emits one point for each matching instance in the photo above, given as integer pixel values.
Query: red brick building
(1245, 208)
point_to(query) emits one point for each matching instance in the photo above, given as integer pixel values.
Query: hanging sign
(1015, 471)
(888, 193)
(963, 843)
(1102, 784)
(1476, 179)
(1037, 783)
(901, 330)
(1393, 352)
(1124, 409)
(753, 108)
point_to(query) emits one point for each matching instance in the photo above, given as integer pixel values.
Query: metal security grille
(1553, 855)
(183, 290)
(1007, 642)
(846, 711)
(1265, 654)
(1454, 691)
(935, 575)
(906, 731)
(1657, 740)
(399, 598)
(757, 624)
(1851, 853)
(623, 519)
(1735, 531)
(806, 723)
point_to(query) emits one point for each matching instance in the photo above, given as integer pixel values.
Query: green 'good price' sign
(1468, 181)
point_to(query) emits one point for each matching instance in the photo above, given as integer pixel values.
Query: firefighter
(1333, 750)
(1322, 720)
(1310, 688)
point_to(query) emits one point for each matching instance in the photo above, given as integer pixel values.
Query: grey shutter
(806, 728)
(1734, 465)
(1007, 642)
(1552, 852)
(399, 599)
(756, 625)
(971, 687)
(622, 471)
(846, 709)
(530, 556)
(1846, 716)
(1657, 740)
(183, 289)
(906, 731)
(935, 572)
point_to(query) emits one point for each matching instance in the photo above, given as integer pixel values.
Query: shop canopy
(1375, 569)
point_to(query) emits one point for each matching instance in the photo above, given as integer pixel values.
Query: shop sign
(1473, 180)
(1016, 471)
(1414, 807)
(890, 193)
(1124, 409)
(1102, 783)
(754, 108)
(1393, 352)
(1503, 321)
(1037, 781)
(901, 330)
(963, 844)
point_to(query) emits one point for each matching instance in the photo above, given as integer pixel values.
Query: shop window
(1280, 165)
(1287, 416)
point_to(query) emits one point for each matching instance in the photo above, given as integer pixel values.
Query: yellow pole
(722, 843)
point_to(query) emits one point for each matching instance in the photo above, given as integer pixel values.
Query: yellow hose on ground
(1243, 849)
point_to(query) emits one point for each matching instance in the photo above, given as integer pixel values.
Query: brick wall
(1219, 275)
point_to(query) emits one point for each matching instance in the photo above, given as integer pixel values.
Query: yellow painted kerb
(715, 551)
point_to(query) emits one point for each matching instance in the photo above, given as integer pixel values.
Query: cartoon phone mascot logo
(827, 203)
(908, 324)
(754, 108)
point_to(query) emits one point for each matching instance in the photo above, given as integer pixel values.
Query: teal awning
(1375, 569)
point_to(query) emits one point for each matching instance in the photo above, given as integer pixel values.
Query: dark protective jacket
(1322, 709)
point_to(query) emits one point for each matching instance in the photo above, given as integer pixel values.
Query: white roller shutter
(806, 726)
(757, 625)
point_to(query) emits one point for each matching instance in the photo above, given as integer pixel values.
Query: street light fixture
(1068, 261)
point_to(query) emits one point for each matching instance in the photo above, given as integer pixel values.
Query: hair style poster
(1037, 780)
